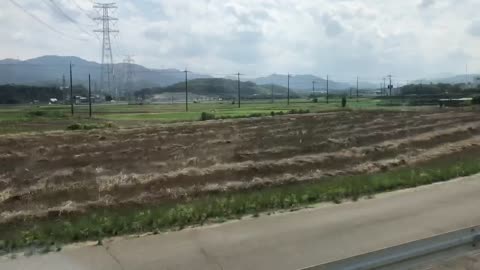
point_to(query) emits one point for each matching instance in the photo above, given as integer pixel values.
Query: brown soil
(71, 171)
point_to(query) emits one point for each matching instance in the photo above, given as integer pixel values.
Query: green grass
(27, 118)
(100, 223)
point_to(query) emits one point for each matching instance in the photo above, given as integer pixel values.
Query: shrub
(206, 116)
(75, 126)
(109, 125)
(476, 100)
(78, 126)
(36, 113)
(299, 111)
(315, 100)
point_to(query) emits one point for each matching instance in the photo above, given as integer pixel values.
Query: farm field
(73, 171)
(27, 118)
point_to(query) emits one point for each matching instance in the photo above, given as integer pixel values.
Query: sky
(409, 39)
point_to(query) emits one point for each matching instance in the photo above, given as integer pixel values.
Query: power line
(60, 11)
(83, 10)
(42, 22)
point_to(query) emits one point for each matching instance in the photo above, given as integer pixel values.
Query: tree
(344, 102)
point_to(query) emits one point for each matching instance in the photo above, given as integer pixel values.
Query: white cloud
(371, 38)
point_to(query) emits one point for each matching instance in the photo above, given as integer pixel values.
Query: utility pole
(238, 86)
(390, 85)
(129, 74)
(186, 90)
(63, 88)
(327, 89)
(384, 87)
(313, 89)
(466, 74)
(288, 89)
(357, 88)
(272, 92)
(71, 90)
(106, 74)
(89, 97)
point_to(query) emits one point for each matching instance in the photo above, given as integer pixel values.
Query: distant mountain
(218, 87)
(48, 70)
(454, 79)
(301, 82)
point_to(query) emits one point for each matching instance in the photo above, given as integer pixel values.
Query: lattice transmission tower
(107, 72)
(129, 68)
(129, 63)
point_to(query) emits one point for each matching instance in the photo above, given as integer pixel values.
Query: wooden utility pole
(71, 90)
(288, 89)
(238, 88)
(89, 97)
(313, 89)
(186, 90)
(64, 86)
(357, 88)
(327, 89)
(272, 92)
(390, 85)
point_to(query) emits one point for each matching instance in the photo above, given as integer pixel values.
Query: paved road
(285, 241)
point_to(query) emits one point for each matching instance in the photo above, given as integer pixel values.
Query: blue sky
(342, 38)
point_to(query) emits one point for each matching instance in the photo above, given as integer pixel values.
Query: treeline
(16, 94)
(218, 87)
(440, 90)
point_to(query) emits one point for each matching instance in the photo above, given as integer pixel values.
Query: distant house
(455, 102)
(53, 101)
(81, 100)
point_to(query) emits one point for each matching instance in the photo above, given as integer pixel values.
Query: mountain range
(451, 79)
(301, 82)
(219, 88)
(49, 70)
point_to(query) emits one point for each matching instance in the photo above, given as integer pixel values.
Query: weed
(101, 223)
(206, 116)
(75, 126)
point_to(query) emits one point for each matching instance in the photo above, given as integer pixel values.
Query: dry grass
(74, 171)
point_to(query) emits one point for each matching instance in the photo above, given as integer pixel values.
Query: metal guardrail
(468, 238)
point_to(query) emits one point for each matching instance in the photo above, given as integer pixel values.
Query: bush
(78, 126)
(315, 100)
(255, 115)
(75, 126)
(52, 114)
(344, 102)
(206, 116)
(476, 100)
(36, 113)
(299, 111)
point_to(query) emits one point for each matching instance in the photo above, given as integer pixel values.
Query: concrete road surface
(284, 241)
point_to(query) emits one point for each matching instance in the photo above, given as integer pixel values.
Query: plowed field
(58, 172)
